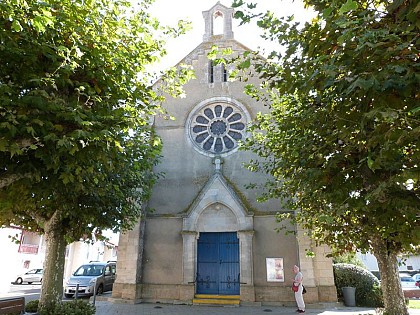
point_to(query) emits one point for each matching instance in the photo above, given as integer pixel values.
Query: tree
(342, 139)
(76, 97)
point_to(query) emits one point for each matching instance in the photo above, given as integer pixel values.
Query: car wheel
(68, 295)
(19, 280)
(29, 282)
(100, 290)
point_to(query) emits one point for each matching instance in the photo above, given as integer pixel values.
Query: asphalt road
(28, 291)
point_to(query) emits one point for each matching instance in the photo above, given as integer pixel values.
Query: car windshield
(33, 271)
(89, 270)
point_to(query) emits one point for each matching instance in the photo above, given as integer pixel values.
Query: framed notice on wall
(275, 271)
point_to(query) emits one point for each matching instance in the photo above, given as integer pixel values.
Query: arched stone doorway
(218, 210)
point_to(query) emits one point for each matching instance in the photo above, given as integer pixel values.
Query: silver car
(90, 278)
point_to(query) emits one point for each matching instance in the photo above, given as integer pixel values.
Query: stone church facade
(207, 234)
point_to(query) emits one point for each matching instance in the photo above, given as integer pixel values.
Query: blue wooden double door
(218, 264)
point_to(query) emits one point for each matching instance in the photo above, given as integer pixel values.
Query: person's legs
(299, 299)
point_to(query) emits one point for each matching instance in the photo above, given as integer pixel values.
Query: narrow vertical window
(224, 73)
(211, 72)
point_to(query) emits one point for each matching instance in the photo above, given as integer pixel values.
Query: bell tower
(218, 13)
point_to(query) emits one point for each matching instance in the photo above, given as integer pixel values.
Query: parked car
(407, 282)
(34, 275)
(416, 278)
(93, 277)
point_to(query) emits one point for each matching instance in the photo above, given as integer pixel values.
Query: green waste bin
(349, 295)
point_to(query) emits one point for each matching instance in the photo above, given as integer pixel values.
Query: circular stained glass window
(216, 128)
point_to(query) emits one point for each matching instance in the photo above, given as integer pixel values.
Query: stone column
(324, 275)
(189, 239)
(317, 271)
(127, 284)
(246, 265)
(208, 25)
(187, 290)
(305, 263)
(227, 29)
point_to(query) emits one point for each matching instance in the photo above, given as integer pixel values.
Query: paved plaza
(110, 308)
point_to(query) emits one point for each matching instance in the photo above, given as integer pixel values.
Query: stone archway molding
(217, 192)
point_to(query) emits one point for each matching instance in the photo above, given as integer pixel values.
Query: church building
(207, 239)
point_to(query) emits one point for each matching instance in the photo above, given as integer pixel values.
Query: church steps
(209, 299)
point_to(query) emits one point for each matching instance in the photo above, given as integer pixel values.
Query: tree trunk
(394, 300)
(52, 281)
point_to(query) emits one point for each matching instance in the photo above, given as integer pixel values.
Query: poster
(275, 271)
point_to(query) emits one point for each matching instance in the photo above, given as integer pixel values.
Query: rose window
(217, 128)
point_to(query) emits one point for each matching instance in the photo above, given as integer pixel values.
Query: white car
(34, 275)
(407, 282)
(416, 277)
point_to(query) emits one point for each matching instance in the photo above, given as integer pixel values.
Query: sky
(170, 11)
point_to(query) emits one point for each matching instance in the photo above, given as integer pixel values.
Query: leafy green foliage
(368, 292)
(75, 102)
(76, 142)
(32, 306)
(74, 307)
(343, 130)
(342, 139)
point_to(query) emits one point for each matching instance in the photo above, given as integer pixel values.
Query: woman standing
(297, 281)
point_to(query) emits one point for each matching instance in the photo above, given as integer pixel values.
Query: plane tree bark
(52, 282)
(390, 282)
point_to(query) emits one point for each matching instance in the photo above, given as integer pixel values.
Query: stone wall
(206, 192)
